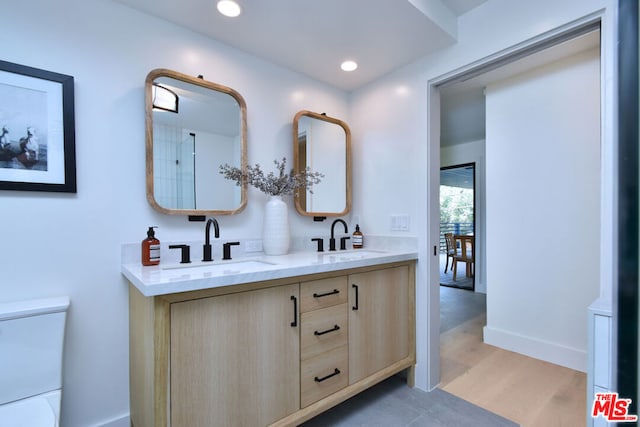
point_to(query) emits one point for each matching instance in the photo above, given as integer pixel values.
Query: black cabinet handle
(354, 286)
(295, 311)
(333, 292)
(335, 372)
(335, 328)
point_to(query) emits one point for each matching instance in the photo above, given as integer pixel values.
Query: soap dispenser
(151, 248)
(358, 238)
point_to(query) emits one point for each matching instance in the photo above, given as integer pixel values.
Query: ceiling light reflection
(229, 8)
(349, 65)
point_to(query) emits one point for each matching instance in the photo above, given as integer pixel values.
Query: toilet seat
(33, 412)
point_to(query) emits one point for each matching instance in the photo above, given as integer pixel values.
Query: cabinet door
(235, 359)
(379, 319)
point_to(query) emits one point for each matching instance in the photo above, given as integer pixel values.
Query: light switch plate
(400, 222)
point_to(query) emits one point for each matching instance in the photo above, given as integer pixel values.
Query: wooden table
(466, 253)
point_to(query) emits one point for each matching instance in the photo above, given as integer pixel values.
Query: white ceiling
(463, 104)
(314, 37)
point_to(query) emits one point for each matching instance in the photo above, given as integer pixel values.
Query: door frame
(605, 20)
(626, 293)
(475, 206)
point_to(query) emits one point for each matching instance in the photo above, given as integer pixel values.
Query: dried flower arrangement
(272, 184)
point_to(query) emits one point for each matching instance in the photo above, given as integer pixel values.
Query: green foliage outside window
(456, 204)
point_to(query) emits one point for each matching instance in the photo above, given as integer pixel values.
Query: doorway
(458, 77)
(457, 218)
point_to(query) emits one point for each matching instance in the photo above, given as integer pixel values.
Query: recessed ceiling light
(349, 65)
(229, 8)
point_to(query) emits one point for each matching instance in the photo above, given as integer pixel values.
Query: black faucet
(185, 253)
(320, 243)
(332, 240)
(206, 248)
(226, 249)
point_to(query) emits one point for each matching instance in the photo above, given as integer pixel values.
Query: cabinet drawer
(323, 330)
(323, 375)
(323, 293)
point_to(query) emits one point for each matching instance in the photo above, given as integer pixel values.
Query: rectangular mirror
(323, 144)
(192, 127)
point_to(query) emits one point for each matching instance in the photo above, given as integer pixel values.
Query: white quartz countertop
(172, 278)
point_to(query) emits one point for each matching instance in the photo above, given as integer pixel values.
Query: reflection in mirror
(193, 126)
(323, 144)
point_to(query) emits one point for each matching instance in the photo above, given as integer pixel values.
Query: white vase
(275, 230)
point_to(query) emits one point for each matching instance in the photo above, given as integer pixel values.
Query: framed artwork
(37, 130)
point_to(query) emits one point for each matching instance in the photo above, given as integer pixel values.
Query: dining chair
(451, 250)
(466, 254)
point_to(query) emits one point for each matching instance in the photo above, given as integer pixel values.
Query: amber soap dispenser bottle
(151, 248)
(358, 238)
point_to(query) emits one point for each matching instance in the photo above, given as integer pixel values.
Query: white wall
(69, 244)
(543, 195)
(473, 152)
(390, 119)
(56, 244)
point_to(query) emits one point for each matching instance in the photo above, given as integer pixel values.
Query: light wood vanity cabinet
(234, 345)
(269, 353)
(201, 359)
(380, 326)
(324, 357)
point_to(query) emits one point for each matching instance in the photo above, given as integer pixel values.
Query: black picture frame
(37, 130)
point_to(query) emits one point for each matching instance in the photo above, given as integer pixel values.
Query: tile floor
(392, 404)
(458, 306)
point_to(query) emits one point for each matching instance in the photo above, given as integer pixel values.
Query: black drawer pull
(295, 311)
(335, 372)
(354, 286)
(335, 291)
(335, 328)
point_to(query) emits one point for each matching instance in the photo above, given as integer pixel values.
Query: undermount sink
(351, 255)
(224, 267)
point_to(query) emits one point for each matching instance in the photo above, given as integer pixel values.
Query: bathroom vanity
(268, 340)
(262, 341)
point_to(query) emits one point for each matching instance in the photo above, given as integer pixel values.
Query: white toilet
(31, 343)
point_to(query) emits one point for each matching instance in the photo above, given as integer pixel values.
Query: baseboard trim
(544, 350)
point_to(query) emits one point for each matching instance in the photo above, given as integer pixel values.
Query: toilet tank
(31, 343)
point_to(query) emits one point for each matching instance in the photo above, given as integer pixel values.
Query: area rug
(462, 281)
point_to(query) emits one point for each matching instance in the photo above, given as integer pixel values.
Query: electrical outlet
(253, 246)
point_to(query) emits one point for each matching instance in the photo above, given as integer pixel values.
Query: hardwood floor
(527, 391)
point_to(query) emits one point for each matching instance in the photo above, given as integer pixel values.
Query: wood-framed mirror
(192, 127)
(323, 144)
